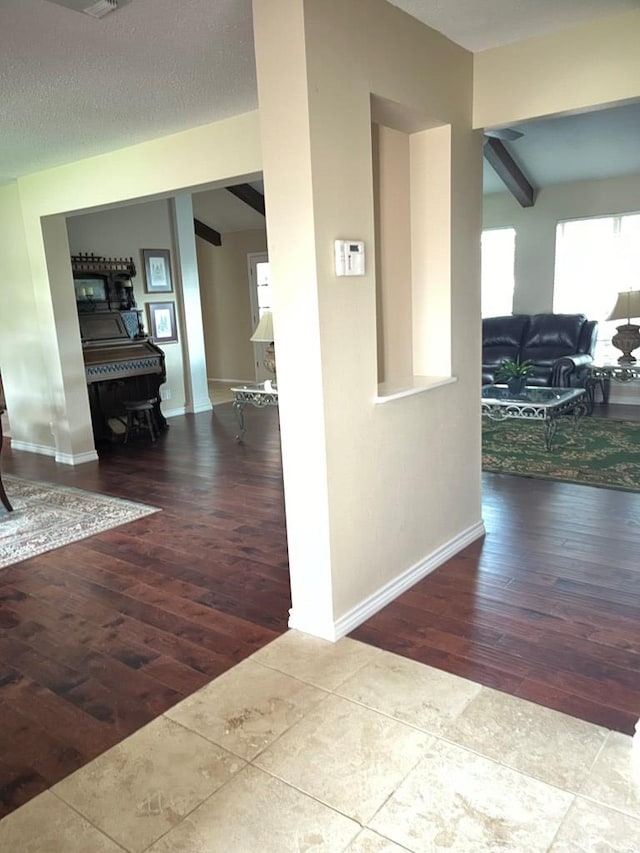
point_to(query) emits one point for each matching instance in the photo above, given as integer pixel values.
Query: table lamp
(628, 335)
(264, 334)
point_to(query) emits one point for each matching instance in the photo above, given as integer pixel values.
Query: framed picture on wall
(162, 322)
(157, 271)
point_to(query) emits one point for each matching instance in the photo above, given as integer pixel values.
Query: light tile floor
(313, 746)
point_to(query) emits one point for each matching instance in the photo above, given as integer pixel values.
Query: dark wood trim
(90, 264)
(250, 196)
(509, 172)
(206, 233)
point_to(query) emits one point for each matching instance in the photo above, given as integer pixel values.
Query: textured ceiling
(72, 86)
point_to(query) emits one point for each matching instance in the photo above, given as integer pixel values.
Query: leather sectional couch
(560, 346)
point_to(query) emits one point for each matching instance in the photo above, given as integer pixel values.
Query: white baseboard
(390, 591)
(174, 413)
(622, 394)
(45, 450)
(202, 406)
(77, 458)
(229, 381)
(28, 447)
(190, 410)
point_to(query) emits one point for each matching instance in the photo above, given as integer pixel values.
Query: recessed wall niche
(412, 207)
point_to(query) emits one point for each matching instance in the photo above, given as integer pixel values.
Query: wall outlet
(165, 394)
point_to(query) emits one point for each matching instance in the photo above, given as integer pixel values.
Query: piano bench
(140, 417)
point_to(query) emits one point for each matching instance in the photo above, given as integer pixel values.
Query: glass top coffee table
(535, 404)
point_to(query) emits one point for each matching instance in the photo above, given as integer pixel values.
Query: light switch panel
(349, 257)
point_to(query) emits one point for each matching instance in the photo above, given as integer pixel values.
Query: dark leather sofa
(560, 346)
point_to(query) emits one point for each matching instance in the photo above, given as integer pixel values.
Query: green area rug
(602, 452)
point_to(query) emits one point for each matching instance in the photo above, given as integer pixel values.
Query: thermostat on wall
(349, 257)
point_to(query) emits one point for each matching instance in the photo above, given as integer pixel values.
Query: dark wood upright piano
(122, 364)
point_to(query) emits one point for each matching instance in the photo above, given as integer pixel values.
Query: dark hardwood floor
(617, 411)
(546, 606)
(99, 637)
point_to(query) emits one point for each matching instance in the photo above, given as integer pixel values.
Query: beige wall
(21, 357)
(50, 413)
(388, 485)
(124, 232)
(536, 238)
(392, 198)
(226, 309)
(433, 234)
(581, 68)
(375, 494)
(576, 69)
(536, 228)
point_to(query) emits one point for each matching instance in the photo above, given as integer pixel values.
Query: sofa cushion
(550, 336)
(502, 337)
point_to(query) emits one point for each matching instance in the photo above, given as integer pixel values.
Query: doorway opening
(261, 300)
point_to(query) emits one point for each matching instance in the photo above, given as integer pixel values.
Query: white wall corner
(324, 629)
(390, 591)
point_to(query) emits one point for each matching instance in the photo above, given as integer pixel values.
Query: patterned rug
(47, 516)
(602, 453)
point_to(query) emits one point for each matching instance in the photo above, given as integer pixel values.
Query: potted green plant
(514, 373)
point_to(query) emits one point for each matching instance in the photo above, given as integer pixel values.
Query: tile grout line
(434, 737)
(82, 817)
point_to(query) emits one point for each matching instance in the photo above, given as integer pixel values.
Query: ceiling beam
(206, 233)
(247, 194)
(508, 171)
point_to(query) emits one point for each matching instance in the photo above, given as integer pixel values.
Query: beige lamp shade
(627, 306)
(264, 330)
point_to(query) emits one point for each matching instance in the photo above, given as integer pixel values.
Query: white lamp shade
(627, 306)
(264, 329)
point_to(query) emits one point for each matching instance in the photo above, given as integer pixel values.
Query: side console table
(258, 394)
(600, 376)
